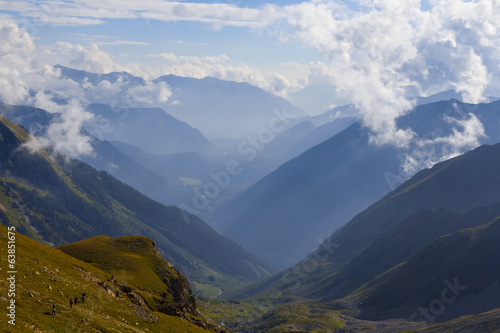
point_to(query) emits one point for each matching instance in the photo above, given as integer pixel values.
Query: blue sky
(188, 38)
(375, 54)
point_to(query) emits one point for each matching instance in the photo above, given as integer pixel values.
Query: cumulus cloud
(378, 51)
(383, 47)
(382, 51)
(28, 77)
(89, 58)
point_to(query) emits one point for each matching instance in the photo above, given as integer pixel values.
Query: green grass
(205, 289)
(262, 315)
(47, 276)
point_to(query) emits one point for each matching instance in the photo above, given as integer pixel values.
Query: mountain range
(56, 201)
(424, 253)
(219, 109)
(225, 109)
(370, 237)
(105, 157)
(154, 130)
(288, 213)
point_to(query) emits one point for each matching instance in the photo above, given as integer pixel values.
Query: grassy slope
(132, 260)
(461, 183)
(87, 203)
(47, 276)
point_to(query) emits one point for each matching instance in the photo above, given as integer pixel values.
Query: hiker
(76, 300)
(70, 303)
(54, 309)
(83, 297)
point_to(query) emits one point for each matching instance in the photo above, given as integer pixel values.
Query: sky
(374, 53)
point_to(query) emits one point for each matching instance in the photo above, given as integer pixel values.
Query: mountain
(344, 112)
(434, 202)
(151, 129)
(300, 138)
(286, 215)
(459, 184)
(225, 109)
(399, 244)
(219, 109)
(317, 98)
(445, 96)
(81, 76)
(426, 252)
(105, 157)
(171, 166)
(460, 270)
(159, 298)
(56, 201)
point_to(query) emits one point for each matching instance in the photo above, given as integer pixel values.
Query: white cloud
(379, 51)
(65, 135)
(376, 50)
(181, 42)
(221, 67)
(89, 58)
(28, 77)
(94, 12)
(466, 135)
(149, 93)
(123, 42)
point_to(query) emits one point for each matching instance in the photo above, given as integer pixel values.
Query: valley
(249, 167)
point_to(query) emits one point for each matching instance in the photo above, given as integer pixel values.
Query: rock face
(144, 277)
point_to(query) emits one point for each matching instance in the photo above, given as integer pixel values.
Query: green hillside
(458, 184)
(401, 243)
(468, 258)
(57, 201)
(47, 276)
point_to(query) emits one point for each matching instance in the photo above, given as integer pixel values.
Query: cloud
(28, 77)
(89, 58)
(80, 12)
(65, 135)
(181, 42)
(379, 50)
(466, 135)
(149, 93)
(221, 67)
(123, 42)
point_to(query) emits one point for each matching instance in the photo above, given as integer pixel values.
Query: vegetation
(48, 276)
(57, 201)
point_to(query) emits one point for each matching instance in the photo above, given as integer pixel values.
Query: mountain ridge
(59, 202)
(49, 276)
(337, 179)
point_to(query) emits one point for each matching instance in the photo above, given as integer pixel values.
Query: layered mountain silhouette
(288, 213)
(106, 157)
(218, 108)
(225, 109)
(453, 275)
(150, 129)
(426, 252)
(56, 201)
(455, 194)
